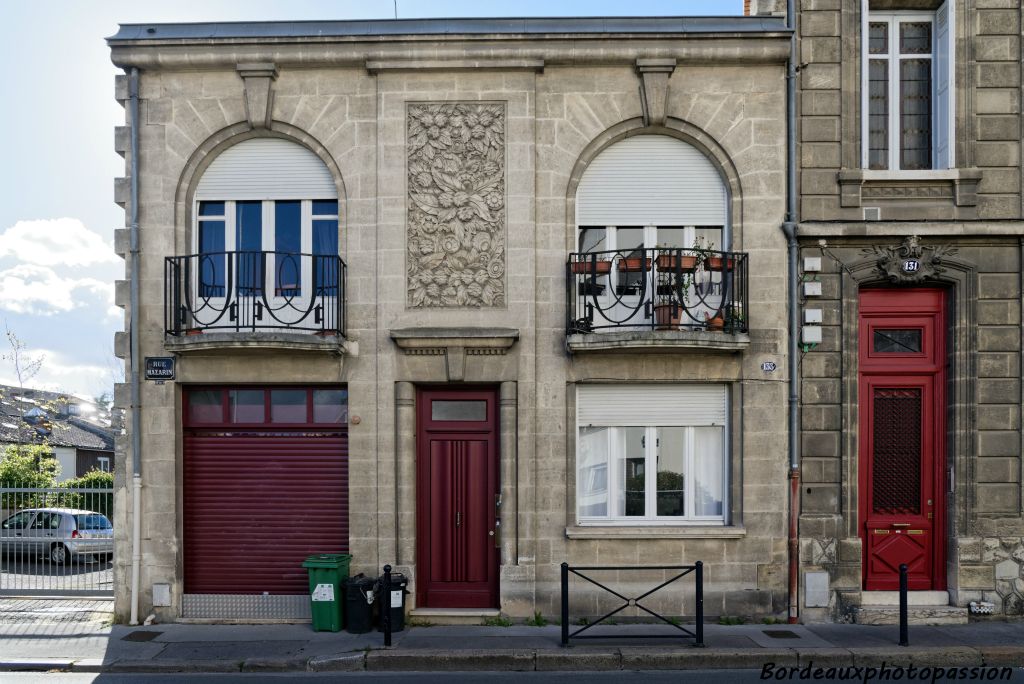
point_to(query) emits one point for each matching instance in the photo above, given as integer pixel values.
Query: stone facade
(964, 225)
(456, 161)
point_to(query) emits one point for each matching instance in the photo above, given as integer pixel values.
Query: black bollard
(386, 605)
(565, 604)
(699, 641)
(904, 641)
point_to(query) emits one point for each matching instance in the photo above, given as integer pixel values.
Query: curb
(562, 659)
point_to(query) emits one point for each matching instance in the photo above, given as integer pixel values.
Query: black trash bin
(399, 584)
(360, 601)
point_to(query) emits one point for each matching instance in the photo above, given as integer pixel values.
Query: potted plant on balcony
(587, 264)
(667, 316)
(735, 320)
(714, 320)
(720, 263)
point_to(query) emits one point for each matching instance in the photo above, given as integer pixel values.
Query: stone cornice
(618, 50)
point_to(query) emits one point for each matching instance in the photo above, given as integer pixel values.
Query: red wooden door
(902, 436)
(457, 490)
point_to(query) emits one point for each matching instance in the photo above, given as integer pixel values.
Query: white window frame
(104, 463)
(268, 235)
(613, 478)
(942, 137)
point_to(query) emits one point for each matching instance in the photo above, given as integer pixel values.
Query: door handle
(458, 519)
(496, 533)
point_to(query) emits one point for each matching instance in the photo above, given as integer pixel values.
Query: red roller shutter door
(256, 503)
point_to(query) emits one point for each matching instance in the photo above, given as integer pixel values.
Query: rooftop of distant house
(54, 418)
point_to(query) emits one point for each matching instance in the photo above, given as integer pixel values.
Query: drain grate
(141, 636)
(780, 634)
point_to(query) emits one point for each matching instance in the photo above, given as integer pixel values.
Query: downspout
(789, 228)
(133, 111)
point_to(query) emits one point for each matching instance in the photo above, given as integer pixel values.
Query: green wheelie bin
(327, 575)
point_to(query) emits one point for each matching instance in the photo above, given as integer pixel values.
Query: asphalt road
(28, 574)
(709, 676)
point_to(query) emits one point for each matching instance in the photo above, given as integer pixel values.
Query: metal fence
(56, 541)
(676, 571)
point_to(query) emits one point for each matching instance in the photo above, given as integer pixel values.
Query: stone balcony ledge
(219, 341)
(658, 341)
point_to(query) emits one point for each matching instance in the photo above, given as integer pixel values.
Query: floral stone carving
(455, 251)
(909, 263)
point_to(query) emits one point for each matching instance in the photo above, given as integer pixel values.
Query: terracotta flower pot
(719, 264)
(601, 266)
(672, 262)
(665, 318)
(634, 264)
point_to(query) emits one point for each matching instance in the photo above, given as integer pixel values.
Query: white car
(61, 534)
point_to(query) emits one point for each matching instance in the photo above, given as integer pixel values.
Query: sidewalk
(89, 646)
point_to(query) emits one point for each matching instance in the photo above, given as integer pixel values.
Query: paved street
(28, 574)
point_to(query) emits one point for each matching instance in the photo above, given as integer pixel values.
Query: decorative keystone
(909, 263)
(654, 74)
(259, 94)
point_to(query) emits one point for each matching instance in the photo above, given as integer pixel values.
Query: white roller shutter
(266, 168)
(651, 180)
(629, 405)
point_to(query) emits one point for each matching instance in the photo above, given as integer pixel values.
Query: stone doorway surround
(459, 356)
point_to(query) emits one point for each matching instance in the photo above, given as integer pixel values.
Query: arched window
(650, 191)
(266, 222)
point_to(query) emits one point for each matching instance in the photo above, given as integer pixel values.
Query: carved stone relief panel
(455, 240)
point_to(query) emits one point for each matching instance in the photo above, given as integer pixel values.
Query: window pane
(672, 237)
(633, 496)
(916, 113)
(206, 406)
(630, 244)
(458, 410)
(246, 406)
(708, 468)
(915, 38)
(330, 406)
(211, 208)
(288, 406)
(593, 239)
(325, 263)
(211, 259)
(325, 207)
(288, 244)
(878, 38)
(897, 341)
(708, 238)
(593, 471)
(671, 479)
(629, 240)
(249, 244)
(878, 114)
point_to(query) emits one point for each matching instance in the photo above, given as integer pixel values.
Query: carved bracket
(654, 75)
(259, 94)
(909, 263)
(455, 344)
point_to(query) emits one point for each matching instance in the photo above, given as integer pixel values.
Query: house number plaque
(911, 265)
(769, 366)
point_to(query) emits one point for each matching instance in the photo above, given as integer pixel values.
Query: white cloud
(38, 290)
(55, 242)
(61, 373)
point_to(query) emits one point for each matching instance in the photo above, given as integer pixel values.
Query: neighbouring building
(470, 297)
(76, 430)
(911, 249)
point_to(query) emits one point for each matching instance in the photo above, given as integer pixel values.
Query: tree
(26, 465)
(26, 365)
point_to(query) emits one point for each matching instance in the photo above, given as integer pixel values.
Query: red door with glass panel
(902, 356)
(457, 499)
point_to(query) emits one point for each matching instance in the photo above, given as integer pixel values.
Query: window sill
(656, 532)
(959, 186)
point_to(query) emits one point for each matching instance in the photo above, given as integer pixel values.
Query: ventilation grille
(896, 467)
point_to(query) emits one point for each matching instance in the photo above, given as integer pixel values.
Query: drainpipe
(133, 109)
(789, 228)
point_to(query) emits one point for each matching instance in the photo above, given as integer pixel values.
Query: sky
(57, 214)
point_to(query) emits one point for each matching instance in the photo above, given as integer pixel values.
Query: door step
(454, 616)
(914, 598)
(916, 614)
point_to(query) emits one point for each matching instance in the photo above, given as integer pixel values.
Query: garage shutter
(651, 180)
(257, 503)
(266, 168)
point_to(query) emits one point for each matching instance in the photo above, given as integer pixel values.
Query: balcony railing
(657, 289)
(254, 291)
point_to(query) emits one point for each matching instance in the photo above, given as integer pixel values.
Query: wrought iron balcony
(692, 290)
(254, 292)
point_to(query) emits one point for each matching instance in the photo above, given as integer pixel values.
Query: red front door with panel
(902, 357)
(457, 498)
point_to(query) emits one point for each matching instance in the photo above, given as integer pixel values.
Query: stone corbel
(654, 75)
(258, 78)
